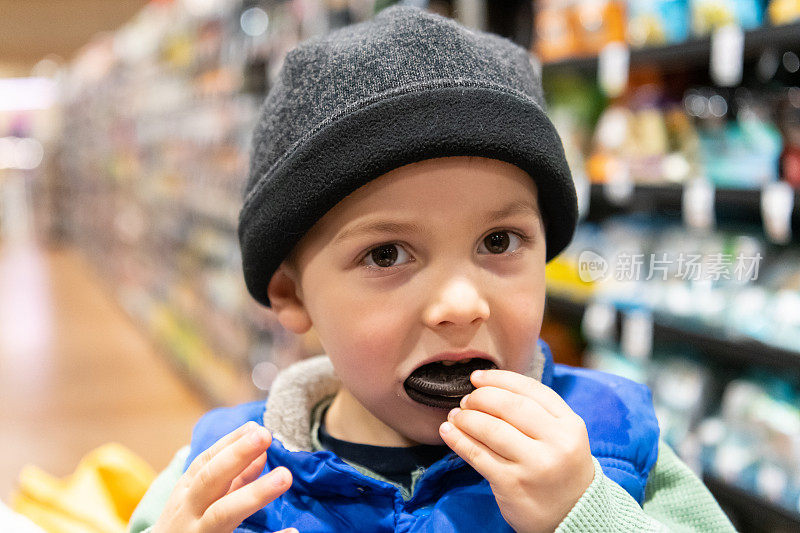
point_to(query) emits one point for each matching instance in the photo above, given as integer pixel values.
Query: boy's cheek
(525, 295)
(367, 352)
(522, 327)
(372, 332)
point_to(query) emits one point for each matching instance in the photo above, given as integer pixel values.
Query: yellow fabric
(99, 497)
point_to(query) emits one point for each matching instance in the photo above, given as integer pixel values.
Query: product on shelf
(567, 28)
(657, 22)
(784, 11)
(599, 22)
(710, 15)
(574, 105)
(790, 128)
(739, 153)
(644, 138)
(556, 36)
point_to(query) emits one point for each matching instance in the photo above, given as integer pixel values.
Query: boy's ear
(287, 306)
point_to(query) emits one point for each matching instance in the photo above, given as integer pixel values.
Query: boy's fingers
(527, 386)
(228, 512)
(481, 458)
(213, 480)
(523, 413)
(201, 460)
(250, 473)
(497, 435)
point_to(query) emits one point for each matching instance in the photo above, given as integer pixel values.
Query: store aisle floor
(76, 372)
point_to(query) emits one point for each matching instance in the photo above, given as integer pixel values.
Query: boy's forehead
(481, 189)
(476, 180)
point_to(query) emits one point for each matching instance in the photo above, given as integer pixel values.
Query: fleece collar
(301, 387)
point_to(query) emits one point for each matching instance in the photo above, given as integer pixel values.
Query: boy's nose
(459, 303)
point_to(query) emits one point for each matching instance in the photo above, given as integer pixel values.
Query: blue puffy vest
(328, 495)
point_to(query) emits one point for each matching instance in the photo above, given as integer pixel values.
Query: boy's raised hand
(222, 486)
(527, 443)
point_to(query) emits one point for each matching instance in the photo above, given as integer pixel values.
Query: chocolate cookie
(443, 386)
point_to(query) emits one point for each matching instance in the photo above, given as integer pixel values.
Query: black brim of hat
(392, 131)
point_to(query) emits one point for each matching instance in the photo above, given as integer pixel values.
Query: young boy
(406, 191)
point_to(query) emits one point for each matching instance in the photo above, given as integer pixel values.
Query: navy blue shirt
(394, 463)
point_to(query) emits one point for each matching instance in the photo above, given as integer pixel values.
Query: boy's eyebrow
(512, 208)
(377, 228)
(382, 227)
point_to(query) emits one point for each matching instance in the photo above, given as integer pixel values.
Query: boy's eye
(384, 256)
(390, 255)
(497, 242)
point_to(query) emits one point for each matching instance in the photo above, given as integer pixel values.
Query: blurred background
(124, 138)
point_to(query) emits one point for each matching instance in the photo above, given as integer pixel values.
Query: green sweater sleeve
(675, 500)
(154, 500)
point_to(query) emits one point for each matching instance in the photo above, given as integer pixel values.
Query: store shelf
(751, 513)
(738, 352)
(740, 205)
(692, 53)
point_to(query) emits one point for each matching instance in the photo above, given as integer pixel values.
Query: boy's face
(454, 262)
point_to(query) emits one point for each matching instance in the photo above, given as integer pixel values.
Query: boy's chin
(425, 429)
(434, 439)
(431, 438)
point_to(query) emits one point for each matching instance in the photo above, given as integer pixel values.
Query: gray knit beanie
(362, 100)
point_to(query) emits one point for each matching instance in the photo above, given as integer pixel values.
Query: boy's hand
(528, 444)
(222, 486)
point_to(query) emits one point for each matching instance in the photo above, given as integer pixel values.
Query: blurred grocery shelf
(738, 351)
(729, 205)
(695, 52)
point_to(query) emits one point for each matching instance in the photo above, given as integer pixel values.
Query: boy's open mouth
(443, 384)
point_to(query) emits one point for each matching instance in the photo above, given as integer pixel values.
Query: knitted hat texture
(365, 99)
